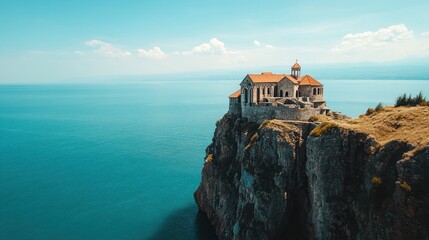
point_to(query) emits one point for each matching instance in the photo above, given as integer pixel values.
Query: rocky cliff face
(278, 181)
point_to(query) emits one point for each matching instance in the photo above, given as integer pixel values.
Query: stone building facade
(282, 96)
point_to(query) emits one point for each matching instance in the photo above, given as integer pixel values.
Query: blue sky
(65, 40)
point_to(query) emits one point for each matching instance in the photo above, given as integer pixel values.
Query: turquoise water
(121, 161)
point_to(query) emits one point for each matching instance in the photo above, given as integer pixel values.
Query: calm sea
(121, 161)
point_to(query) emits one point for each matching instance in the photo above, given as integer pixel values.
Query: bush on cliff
(378, 108)
(369, 111)
(419, 99)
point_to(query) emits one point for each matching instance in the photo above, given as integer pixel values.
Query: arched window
(318, 91)
(281, 93)
(314, 91)
(245, 96)
(258, 94)
(268, 91)
(276, 90)
(286, 94)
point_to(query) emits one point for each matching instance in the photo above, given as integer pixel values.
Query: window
(314, 91)
(268, 91)
(287, 94)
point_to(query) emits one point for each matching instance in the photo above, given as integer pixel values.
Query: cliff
(364, 178)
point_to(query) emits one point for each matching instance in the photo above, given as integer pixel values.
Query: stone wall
(235, 106)
(287, 86)
(307, 91)
(259, 113)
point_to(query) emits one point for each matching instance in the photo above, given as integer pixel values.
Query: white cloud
(107, 49)
(217, 45)
(214, 46)
(370, 40)
(203, 48)
(257, 43)
(390, 43)
(269, 46)
(155, 53)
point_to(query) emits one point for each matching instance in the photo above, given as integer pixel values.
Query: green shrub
(379, 107)
(419, 99)
(369, 111)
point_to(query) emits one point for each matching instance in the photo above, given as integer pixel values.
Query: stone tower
(296, 70)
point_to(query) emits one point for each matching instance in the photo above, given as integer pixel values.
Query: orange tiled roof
(296, 66)
(308, 80)
(236, 94)
(292, 78)
(268, 77)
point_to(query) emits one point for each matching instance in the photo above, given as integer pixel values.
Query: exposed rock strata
(275, 181)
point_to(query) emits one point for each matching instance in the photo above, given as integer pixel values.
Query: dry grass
(405, 186)
(277, 125)
(322, 128)
(285, 130)
(254, 137)
(376, 181)
(320, 118)
(409, 124)
(209, 158)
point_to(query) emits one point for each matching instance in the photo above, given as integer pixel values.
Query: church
(281, 96)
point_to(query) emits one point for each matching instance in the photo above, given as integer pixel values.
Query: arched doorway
(281, 93)
(286, 94)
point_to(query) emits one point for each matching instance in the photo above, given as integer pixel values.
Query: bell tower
(296, 70)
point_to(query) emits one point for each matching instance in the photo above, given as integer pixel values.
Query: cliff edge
(363, 178)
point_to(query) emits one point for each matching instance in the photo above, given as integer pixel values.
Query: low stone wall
(235, 109)
(260, 113)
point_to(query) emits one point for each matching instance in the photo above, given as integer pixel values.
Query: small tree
(400, 101)
(419, 99)
(379, 107)
(405, 100)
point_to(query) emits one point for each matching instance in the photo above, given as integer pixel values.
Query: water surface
(121, 161)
